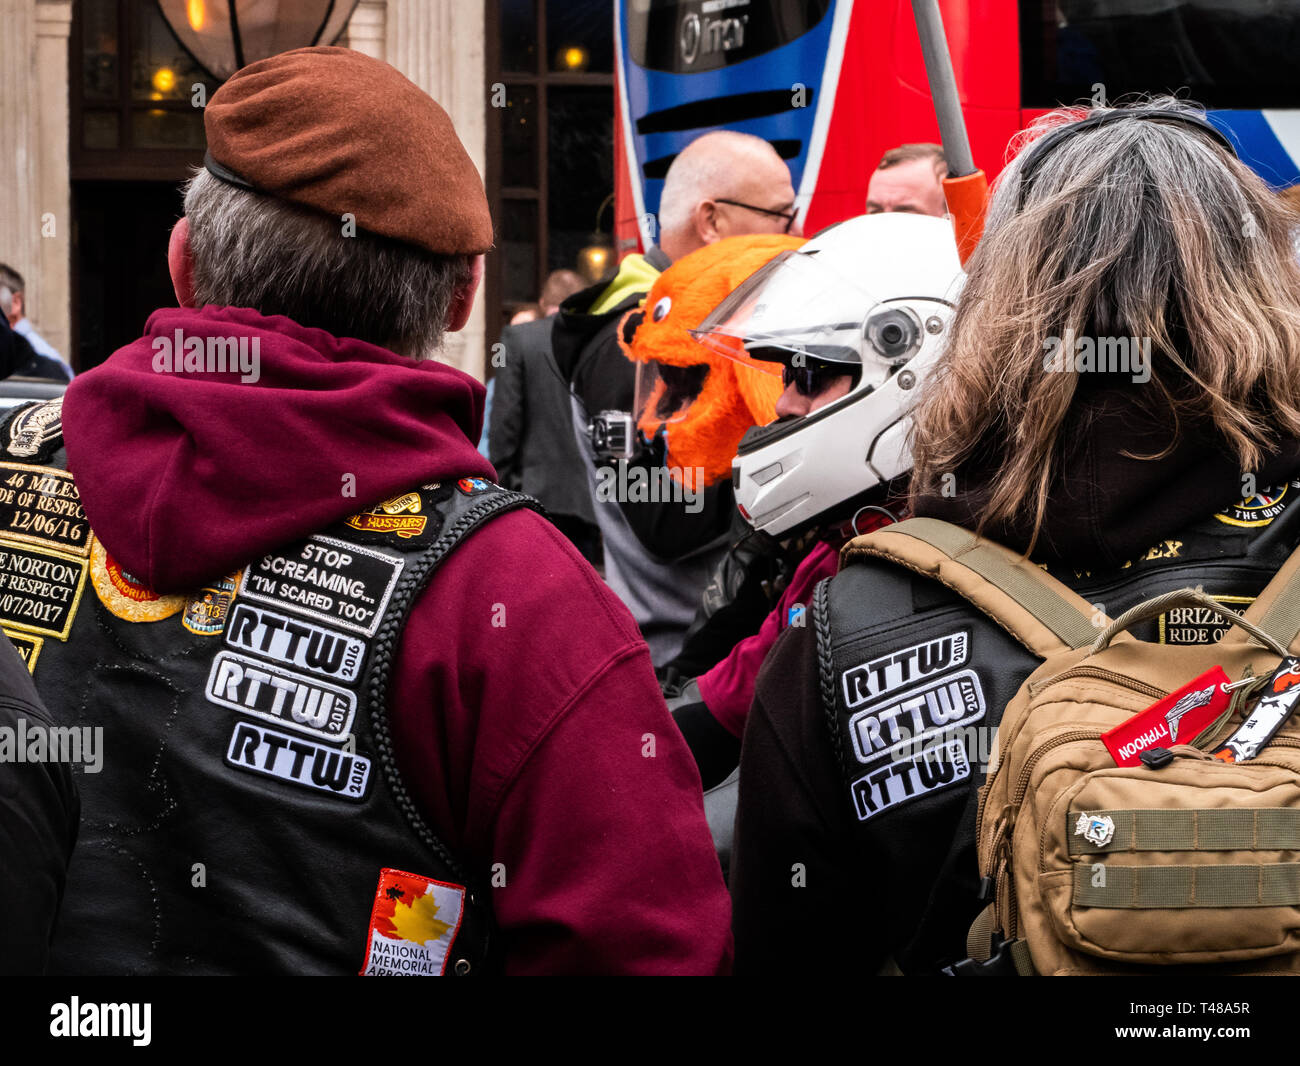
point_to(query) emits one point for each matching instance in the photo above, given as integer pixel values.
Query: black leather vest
(914, 681)
(248, 815)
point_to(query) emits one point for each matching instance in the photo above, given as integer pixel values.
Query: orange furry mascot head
(708, 400)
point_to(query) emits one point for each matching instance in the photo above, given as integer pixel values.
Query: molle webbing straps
(1277, 609)
(1040, 612)
(1184, 887)
(1192, 829)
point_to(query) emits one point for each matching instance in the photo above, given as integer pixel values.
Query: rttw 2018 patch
(298, 761)
(413, 925)
(894, 784)
(900, 669)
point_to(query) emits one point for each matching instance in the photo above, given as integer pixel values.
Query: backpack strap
(1040, 612)
(1276, 610)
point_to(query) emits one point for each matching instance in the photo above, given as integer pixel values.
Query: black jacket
(900, 884)
(530, 438)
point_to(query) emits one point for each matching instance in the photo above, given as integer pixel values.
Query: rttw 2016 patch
(295, 642)
(298, 761)
(413, 925)
(889, 672)
(327, 579)
(251, 686)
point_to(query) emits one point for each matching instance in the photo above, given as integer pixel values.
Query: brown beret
(337, 131)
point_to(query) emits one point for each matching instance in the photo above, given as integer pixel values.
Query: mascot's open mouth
(682, 384)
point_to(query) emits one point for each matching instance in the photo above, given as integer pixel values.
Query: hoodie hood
(188, 472)
(1110, 500)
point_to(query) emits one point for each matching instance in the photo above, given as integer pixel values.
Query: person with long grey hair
(1119, 399)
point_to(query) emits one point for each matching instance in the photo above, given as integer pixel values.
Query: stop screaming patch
(329, 580)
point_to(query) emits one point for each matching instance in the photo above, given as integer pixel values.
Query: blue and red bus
(832, 84)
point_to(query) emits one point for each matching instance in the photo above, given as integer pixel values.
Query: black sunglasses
(789, 216)
(810, 381)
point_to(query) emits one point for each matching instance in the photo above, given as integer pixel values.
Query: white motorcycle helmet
(872, 297)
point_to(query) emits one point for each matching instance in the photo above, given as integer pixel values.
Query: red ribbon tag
(1176, 719)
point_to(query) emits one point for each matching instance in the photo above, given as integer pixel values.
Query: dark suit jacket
(530, 437)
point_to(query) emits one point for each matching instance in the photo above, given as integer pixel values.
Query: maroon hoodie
(542, 743)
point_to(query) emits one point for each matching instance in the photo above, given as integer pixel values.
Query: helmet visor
(794, 305)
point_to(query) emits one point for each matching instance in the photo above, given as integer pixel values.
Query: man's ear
(706, 222)
(16, 308)
(180, 263)
(462, 299)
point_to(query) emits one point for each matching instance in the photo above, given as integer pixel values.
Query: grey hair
(706, 167)
(251, 250)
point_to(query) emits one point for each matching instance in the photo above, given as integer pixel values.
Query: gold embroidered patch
(124, 595)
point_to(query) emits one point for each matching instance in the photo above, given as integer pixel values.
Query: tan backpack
(1096, 868)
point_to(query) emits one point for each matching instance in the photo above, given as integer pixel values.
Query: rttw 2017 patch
(413, 925)
(917, 715)
(251, 686)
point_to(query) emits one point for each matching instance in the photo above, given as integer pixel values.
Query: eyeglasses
(789, 216)
(810, 381)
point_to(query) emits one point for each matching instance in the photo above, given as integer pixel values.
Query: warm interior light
(164, 79)
(197, 14)
(574, 57)
(593, 260)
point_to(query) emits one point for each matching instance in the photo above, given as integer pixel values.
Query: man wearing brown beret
(362, 709)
